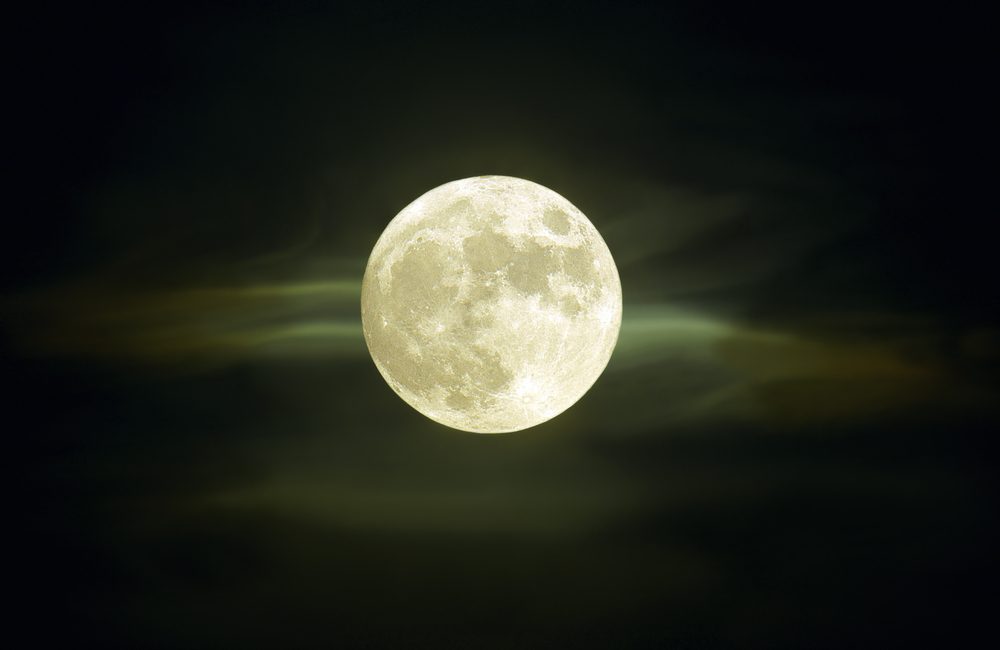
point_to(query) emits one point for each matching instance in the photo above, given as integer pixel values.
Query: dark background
(791, 448)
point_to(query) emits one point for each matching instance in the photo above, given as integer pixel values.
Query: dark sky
(792, 446)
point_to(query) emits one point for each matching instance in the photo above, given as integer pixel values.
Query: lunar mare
(491, 304)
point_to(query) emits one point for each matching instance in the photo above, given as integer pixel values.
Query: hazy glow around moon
(491, 304)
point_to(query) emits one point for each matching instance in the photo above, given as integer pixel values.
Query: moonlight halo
(491, 304)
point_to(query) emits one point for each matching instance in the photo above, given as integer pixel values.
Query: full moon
(491, 304)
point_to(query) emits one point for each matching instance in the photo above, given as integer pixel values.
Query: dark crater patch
(556, 221)
(529, 272)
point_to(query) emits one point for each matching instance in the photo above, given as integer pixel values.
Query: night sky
(792, 446)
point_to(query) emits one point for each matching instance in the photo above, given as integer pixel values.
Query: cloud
(196, 326)
(682, 369)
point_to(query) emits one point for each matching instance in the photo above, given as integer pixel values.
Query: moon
(491, 304)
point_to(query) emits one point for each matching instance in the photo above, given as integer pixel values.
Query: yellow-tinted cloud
(701, 368)
(201, 325)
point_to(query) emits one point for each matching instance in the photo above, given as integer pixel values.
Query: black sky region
(791, 448)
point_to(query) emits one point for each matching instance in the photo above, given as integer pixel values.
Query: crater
(556, 221)
(578, 263)
(459, 400)
(529, 273)
(488, 251)
(570, 306)
(417, 276)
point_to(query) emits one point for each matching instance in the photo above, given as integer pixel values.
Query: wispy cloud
(199, 325)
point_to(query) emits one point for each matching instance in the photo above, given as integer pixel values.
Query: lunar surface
(491, 304)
